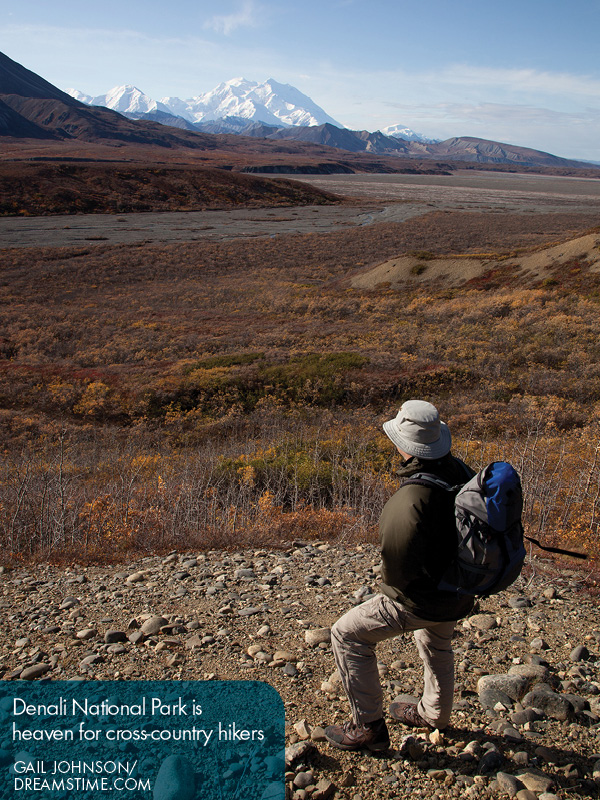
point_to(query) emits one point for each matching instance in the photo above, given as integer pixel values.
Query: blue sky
(523, 72)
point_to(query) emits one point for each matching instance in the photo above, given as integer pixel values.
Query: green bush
(231, 360)
(216, 384)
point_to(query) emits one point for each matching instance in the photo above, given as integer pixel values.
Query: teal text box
(158, 740)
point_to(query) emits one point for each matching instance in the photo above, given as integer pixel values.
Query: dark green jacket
(418, 539)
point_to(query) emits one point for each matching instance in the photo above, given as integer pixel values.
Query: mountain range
(295, 131)
(272, 110)
(270, 102)
(242, 107)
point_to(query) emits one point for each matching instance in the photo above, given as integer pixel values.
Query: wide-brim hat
(418, 430)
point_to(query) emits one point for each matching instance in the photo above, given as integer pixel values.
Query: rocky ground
(531, 728)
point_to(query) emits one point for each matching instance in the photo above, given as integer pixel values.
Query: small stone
(89, 661)
(112, 637)
(35, 671)
(298, 751)
(136, 577)
(249, 612)
(153, 625)
(87, 633)
(52, 629)
(539, 644)
(526, 794)
(328, 688)
(412, 747)
(491, 760)
(324, 789)
(472, 748)
(281, 657)
(436, 737)
(505, 689)
(579, 653)
(536, 781)
(317, 636)
(69, 602)
(511, 734)
(519, 601)
(303, 779)
(534, 673)
(348, 779)
(527, 715)
(554, 705)
(116, 649)
(483, 622)
(546, 755)
(436, 774)
(508, 784)
(317, 734)
(244, 573)
(550, 593)
(302, 728)
(169, 643)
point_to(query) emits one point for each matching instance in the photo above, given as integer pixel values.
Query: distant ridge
(32, 108)
(484, 151)
(272, 110)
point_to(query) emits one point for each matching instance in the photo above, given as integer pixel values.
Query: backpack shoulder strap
(431, 481)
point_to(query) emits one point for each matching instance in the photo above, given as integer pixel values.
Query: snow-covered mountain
(124, 99)
(232, 106)
(402, 132)
(270, 102)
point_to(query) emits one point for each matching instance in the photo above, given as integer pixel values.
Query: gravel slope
(262, 615)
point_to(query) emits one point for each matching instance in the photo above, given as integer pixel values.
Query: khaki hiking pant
(353, 639)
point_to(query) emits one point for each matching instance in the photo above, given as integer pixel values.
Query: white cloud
(245, 17)
(557, 112)
(483, 113)
(519, 81)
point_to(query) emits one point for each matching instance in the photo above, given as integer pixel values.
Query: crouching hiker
(418, 540)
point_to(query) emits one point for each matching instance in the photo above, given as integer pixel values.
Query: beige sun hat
(418, 430)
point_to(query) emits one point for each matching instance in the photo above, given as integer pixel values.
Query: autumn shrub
(100, 495)
(208, 394)
(213, 385)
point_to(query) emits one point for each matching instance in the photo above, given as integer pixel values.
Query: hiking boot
(350, 736)
(407, 714)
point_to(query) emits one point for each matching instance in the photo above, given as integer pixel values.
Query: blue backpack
(489, 530)
(487, 511)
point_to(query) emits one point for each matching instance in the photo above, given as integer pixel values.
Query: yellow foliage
(94, 399)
